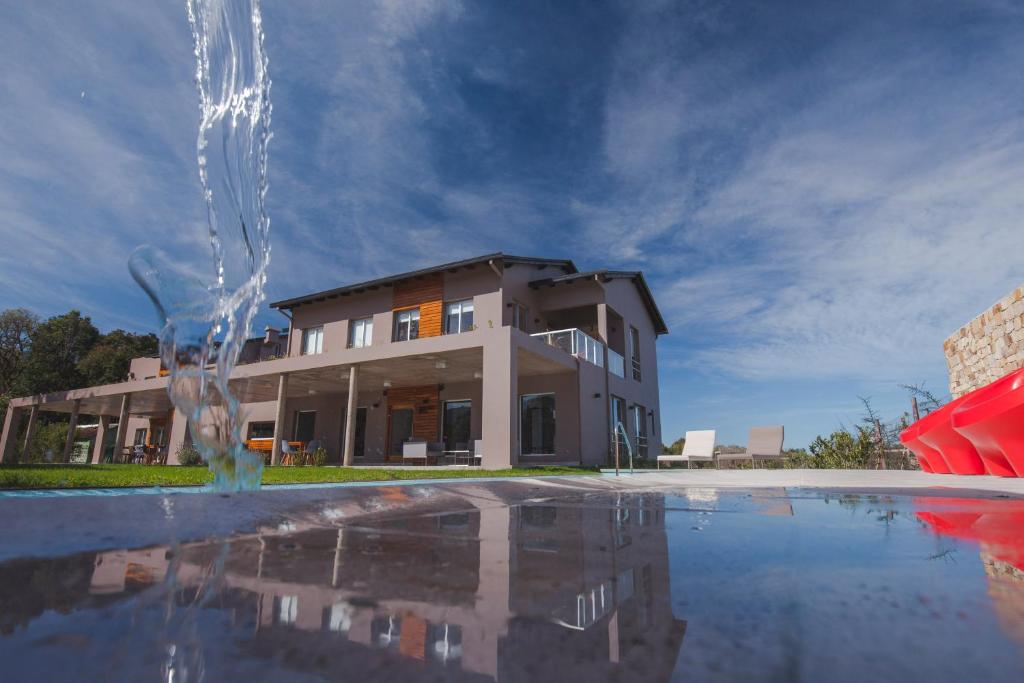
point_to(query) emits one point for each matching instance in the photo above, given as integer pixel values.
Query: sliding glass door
(537, 424)
(457, 425)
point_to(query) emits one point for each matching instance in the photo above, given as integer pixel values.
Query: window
(140, 437)
(261, 430)
(458, 317)
(305, 425)
(360, 333)
(520, 317)
(312, 340)
(286, 608)
(407, 324)
(640, 430)
(537, 424)
(634, 351)
(618, 416)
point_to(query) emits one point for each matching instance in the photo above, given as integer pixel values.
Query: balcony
(576, 343)
(616, 364)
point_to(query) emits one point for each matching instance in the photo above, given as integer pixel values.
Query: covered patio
(459, 396)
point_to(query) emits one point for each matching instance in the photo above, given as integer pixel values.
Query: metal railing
(616, 364)
(576, 343)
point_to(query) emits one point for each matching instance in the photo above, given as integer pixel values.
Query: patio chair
(287, 453)
(699, 447)
(764, 443)
(478, 452)
(415, 451)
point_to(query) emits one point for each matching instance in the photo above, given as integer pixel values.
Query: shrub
(320, 457)
(189, 456)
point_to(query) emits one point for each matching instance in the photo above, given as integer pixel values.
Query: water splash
(206, 317)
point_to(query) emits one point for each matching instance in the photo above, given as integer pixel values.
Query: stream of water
(206, 313)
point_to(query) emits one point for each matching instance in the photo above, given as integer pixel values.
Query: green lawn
(112, 476)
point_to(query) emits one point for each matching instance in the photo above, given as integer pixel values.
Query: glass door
(537, 424)
(400, 429)
(457, 416)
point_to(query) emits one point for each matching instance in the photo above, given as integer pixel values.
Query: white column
(30, 432)
(500, 402)
(12, 421)
(69, 442)
(122, 425)
(282, 400)
(350, 416)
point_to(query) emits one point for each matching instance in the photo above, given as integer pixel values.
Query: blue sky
(818, 192)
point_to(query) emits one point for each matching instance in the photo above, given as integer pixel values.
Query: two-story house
(497, 360)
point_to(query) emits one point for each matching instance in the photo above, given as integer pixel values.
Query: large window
(312, 340)
(360, 333)
(537, 424)
(305, 425)
(640, 429)
(634, 351)
(407, 324)
(261, 430)
(458, 317)
(457, 424)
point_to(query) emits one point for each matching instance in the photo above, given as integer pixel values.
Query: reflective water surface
(515, 581)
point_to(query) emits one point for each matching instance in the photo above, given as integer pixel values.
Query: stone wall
(988, 347)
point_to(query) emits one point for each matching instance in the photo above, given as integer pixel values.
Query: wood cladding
(427, 293)
(425, 402)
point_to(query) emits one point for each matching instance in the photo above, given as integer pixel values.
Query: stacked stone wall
(988, 347)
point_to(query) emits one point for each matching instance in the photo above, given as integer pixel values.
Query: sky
(818, 192)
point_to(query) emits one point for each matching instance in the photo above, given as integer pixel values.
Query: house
(496, 360)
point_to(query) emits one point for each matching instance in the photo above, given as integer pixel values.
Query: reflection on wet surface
(510, 582)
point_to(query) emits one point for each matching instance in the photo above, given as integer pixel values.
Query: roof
(604, 276)
(565, 264)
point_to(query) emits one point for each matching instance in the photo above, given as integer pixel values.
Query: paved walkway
(865, 480)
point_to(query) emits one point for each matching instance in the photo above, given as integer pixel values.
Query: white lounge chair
(764, 443)
(699, 447)
(415, 450)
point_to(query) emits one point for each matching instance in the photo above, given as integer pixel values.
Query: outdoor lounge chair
(699, 447)
(764, 443)
(415, 451)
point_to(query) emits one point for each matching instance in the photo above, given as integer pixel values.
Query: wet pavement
(587, 579)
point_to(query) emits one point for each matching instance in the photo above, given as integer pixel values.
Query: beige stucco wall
(988, 347)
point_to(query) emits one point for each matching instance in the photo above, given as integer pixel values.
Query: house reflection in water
(491, 590)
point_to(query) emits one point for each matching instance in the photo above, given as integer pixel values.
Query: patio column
(500, 401)
(69, 442)
(101, 436)
(122, 425)
(12, 421)
(350, 416)
(282, 399)
(30, 432)
(179, 436)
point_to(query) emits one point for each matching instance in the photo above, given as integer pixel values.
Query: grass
(119, 476)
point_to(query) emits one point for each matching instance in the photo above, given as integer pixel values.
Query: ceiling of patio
(450, 367)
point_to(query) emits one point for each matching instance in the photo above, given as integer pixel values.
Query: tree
(676, 448)
(108, 361)
(58, 345)
(16, 328)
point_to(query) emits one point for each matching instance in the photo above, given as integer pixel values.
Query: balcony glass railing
(575, 342)
(616, 363)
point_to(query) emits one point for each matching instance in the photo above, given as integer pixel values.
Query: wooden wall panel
(428, 294)
(426, 402)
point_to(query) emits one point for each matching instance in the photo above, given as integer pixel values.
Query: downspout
(291, 330)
